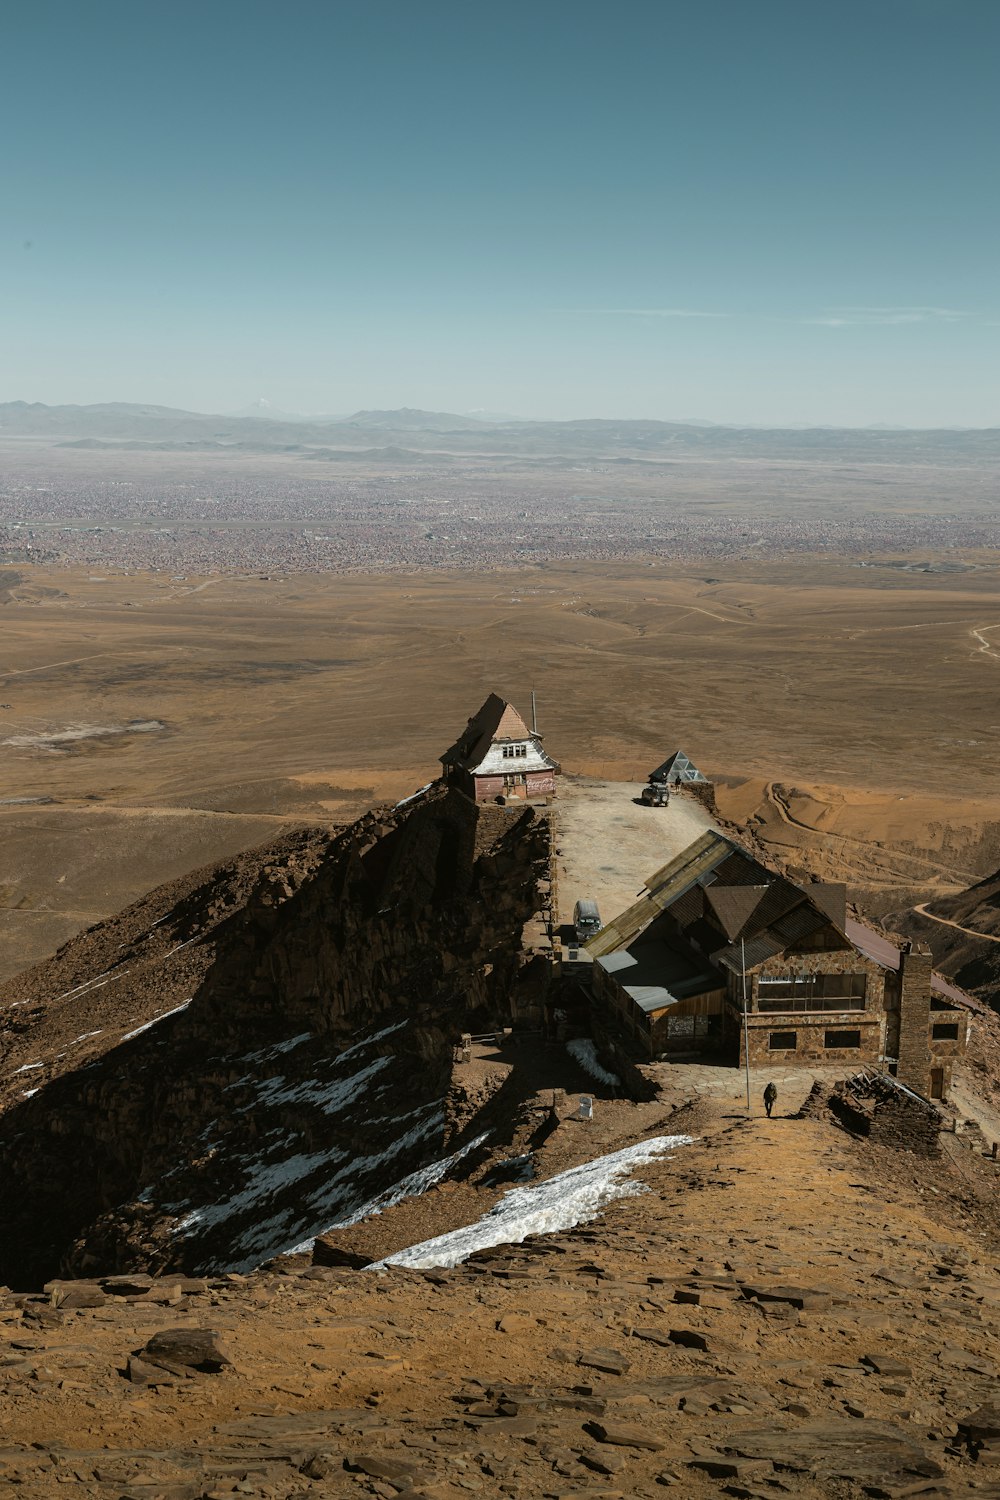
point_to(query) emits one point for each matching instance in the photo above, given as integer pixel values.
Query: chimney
(915, 965)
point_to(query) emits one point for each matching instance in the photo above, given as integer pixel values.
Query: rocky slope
(788, 1310)
(242, 1059)
(963, 932)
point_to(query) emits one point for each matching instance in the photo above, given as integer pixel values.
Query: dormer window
(510, 752)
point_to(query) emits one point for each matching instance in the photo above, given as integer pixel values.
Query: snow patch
(328, 1094)
(369, 1041)
(407, 1187)
(583, 1049)
(27, 1067)
(572, 1197)
(156, 1020)
(279, 1047)
(413, 797)
(308, 1208)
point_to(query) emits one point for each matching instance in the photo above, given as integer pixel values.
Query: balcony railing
(819, 1003)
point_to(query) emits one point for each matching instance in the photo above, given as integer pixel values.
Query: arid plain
(150, 725)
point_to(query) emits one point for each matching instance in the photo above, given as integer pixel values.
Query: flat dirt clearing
(608, 846)
(307, 698)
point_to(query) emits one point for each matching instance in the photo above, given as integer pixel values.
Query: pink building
(497, 755)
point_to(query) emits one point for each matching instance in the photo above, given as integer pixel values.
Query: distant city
(153, 491)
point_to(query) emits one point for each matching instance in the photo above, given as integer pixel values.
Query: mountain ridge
(586, 437)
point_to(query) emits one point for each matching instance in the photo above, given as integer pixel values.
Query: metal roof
(734, 905)
(872, 944)
(885, 952)
(655, 975)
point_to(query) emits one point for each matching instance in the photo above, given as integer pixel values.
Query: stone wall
(810, 1036)
(915, 1018)
(877, 1107)
(810, 1027)
(703, 792)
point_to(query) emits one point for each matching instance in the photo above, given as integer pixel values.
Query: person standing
(770, 1098)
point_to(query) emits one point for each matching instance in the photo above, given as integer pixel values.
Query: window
(782, 1041)
(944, 1031)
(511, 752)
(842, 1039)
(811, 992)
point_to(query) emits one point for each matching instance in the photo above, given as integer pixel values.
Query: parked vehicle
(586, 919)
(656, 794)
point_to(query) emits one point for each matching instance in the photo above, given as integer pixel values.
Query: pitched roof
(830, 897)
(694, 866)
(720, 901)
(876, 946)
(733, 905)
(716, 906)
(497, 720)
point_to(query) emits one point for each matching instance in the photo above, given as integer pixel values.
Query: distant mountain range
(262, 428)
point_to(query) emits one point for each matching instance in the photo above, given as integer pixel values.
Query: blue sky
(766, 211)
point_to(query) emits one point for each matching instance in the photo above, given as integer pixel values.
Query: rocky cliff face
(302, 1072)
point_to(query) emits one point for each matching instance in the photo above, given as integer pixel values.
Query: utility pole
(746, 1028)
(534, 714)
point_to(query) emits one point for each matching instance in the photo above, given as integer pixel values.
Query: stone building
(716, 925)
(497, 755)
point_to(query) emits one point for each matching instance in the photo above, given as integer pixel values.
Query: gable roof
(717, 907)
(696, 864)
(496, 722)
(720, 901)
(734, 905)
(497, 719)
(677, 765)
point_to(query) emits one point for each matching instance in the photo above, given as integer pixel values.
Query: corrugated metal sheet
(942, 986)
(799, 923)
(872, 944)
(663, 888)
(882, 950)
(689, 907)
(757, 950)
(781, 897)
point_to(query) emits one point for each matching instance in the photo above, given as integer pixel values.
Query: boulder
(186, 1348)
(983, 1424)
(624, 1435)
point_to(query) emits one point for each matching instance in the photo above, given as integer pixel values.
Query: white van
(586, 919)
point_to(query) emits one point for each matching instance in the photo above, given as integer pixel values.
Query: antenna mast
(534, 713)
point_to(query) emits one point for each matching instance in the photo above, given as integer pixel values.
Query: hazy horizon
(263, 410)
(773, 215)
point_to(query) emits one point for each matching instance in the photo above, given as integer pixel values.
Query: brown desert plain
(150, 725)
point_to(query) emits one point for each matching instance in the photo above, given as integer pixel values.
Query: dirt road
(922, 911)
